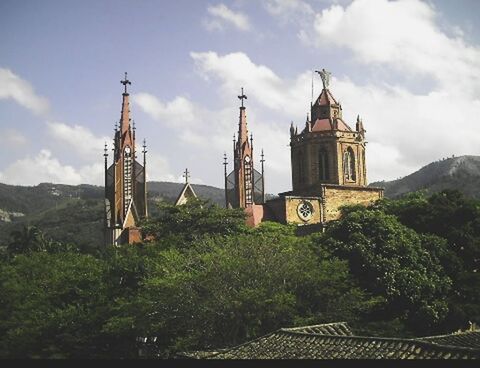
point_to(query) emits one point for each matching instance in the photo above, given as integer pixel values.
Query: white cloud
(180, 110)
(158, 168)
(403, 35)
(221, 15)
(38, 169)
(15, 88)
(80, 139)
(44, 167)
(235, 70)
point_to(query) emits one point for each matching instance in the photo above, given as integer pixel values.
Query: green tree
(53, 306)
(456, 218)
(228, 289)
(395, 262)
(196, 218)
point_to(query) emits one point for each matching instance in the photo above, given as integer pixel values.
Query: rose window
(305, 210)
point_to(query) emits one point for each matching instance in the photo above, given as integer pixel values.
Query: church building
(328, 169)
(125, 182)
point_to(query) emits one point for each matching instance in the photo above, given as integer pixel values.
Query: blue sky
(411, 69)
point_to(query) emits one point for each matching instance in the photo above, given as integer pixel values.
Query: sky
(409, 68)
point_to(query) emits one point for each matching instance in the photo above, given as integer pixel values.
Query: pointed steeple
(242, 123)
(125, 115)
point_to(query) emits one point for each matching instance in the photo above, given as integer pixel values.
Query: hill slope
(75, 213)
(461, 173)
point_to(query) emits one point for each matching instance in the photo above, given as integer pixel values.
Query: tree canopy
(204, 280)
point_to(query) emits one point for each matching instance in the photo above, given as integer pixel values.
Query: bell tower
(125, 182)
(327, 150)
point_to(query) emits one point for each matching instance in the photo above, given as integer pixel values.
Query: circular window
(305, 210)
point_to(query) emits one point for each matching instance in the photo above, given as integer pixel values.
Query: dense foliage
(204, 280)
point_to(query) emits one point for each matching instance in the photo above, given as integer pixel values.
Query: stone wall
(291, 210)
(337, 196)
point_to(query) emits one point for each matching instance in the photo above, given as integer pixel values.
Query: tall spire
(242, 124)
(125, 115)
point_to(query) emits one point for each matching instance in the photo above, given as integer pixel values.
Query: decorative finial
(125, 82)
(225, 159)
(133, 123)
(186, 176)
(242, 97)
(262, 156)
(325, 77)
(105, 150)
(116, 126)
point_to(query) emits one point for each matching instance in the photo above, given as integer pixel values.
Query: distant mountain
(74, 213)
(461, 173)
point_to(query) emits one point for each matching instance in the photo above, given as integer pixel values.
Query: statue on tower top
(325, 77)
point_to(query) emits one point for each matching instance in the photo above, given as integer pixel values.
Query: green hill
(461, 173)
(72, 213)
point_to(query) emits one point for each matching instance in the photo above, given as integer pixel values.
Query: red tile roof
(321, 125)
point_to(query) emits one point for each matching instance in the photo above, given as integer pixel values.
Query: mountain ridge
(461, 173)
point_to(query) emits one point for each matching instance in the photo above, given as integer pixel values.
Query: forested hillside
(459, 173)
(71, 213)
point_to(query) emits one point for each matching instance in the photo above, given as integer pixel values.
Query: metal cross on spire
(125, 82)
(186, 176)
(325, 77)
(242, 97)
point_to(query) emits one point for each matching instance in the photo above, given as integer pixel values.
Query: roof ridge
(313, 326)
(385, 339)
(456, 333)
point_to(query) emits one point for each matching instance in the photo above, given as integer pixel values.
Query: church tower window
(323, 165)
(248, 181)
(349, 165)
(127, 177)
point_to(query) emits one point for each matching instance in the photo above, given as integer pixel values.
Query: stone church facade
(328, 169)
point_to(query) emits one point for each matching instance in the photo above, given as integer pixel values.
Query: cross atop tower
(125, 82)
(186, 175)
(242, 97)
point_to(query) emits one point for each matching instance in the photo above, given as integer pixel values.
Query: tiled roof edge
(315, 326)
(462, 333)
(383, 339)
(226, 350)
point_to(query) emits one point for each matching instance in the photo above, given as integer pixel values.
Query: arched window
(127, 177)
(349, 165)
(323, 165)
(248, 181)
